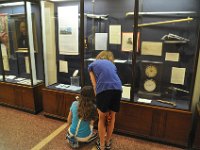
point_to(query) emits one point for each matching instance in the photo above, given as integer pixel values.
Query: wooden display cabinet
(157, 123)
(57, 103)
(23, 97)
(196, 142)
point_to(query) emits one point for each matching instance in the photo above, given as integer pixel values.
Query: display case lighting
(12, 4)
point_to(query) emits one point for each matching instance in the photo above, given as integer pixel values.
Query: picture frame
(20, 33)
(127, 42)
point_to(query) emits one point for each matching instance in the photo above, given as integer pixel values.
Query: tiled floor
(23, 131)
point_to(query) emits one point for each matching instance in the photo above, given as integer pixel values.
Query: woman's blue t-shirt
(106, 75)
(84, 128)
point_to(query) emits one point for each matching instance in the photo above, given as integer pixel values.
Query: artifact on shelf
(167, 102)
(172, 38)
(165, 22)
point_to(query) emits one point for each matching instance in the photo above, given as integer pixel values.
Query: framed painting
(20, 33)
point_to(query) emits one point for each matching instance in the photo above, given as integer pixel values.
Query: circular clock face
(150, 85)
(151, 71)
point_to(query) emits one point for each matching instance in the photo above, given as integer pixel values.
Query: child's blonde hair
(106, 55)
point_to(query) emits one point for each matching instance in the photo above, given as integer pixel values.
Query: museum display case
(106, 27)
(22, 56)
(168, 53)
(156, 49)
(62, 55)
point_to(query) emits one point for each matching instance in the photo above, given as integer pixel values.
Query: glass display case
(21, 46)
(61, 42)
(21, 70)
(168, 55)
(160, 64)
(62, 55)
(155, 44)
(106, 27)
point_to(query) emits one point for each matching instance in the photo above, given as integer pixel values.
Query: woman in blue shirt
(84, 109)
(108, 89)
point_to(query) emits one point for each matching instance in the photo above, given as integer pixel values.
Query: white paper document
(172, 57)
(115, 34)
(5, 58)
(27, 64)
(126, 92)
(62, 86)
(68, 30)
(142, 100)
(178, 75)
(63, 65)
(101, 40)
(11, 77)
(151, 48)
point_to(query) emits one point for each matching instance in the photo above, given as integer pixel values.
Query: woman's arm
(69, 119)
(93, 80)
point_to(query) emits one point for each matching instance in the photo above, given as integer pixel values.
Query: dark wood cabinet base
(156, 123)
(56, 104)
(22, 97)
(196, 142)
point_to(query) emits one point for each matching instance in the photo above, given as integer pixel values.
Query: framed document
(127, 41)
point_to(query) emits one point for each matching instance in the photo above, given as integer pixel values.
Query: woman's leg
(101, 127)
(110, 126)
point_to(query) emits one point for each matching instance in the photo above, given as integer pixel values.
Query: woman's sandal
(107, 145)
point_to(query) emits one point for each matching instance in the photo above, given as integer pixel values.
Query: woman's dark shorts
(109, 100)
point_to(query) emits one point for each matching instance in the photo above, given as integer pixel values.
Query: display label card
(178, 75)
(115, 34)
(63, 65)
(101, 40)
(151, 48)
(172, 57)
(126, 92)
(27, 64)
(142, 100)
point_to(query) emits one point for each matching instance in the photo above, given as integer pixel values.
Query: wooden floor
(23, 131)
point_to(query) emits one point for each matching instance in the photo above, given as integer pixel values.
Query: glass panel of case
(17, 63)
(61, 22)
(106, 27)
(167, 56)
